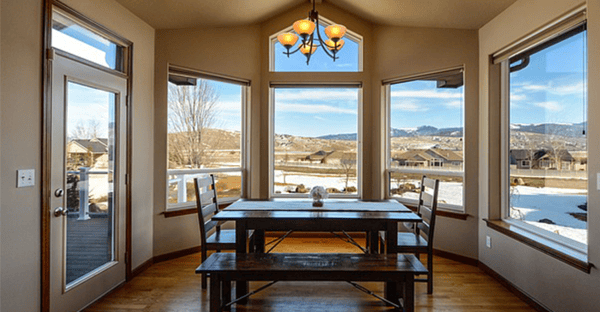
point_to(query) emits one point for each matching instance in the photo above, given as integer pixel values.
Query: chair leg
(204, 275)
(430, 273)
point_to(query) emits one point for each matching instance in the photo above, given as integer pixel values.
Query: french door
(87, 180)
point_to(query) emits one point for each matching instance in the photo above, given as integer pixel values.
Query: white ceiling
(463, 14)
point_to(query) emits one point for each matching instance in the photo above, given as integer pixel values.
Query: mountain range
(571, 130)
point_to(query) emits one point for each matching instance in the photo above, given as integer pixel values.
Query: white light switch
(488, 241)
(598, 182)
(25, 178)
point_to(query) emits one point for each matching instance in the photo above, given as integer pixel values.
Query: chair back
(427, 209)
(207, 205)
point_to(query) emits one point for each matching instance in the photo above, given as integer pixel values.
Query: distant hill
(572, 130)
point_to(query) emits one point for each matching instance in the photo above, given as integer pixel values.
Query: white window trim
(325, 22)
(244, 144)
(553, 239)
(359, 151)
(387, 101)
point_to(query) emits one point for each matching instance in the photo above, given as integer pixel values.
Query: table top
(339, 205)
(332, 210)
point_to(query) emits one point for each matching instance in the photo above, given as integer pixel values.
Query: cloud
(229, 105)
(409, 106)
(554, 87)
(517, 97)
(429, 94)
(453, 104)
(551, 106)
(313, 109)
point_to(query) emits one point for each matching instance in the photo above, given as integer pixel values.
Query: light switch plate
(598, 182)
(488, 241)
(25, 178)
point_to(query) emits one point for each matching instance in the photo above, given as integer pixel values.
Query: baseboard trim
(514, 289)
(142, 267)
(176, 254)
(455, 257)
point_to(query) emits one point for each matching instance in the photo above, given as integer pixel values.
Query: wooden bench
(397, 271)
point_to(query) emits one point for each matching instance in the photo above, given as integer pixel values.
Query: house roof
(429, 154)
(96, 146)
(459, 14)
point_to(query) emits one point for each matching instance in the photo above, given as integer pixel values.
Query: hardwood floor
(173, 286)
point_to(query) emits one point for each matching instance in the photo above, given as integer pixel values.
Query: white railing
(541, 173)
(84, 190)
(180, 177)
(450, 171)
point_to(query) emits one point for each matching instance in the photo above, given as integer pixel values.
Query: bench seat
(394, 269)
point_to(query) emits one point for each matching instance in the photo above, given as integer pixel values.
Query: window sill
(187, 211)
(570, 257)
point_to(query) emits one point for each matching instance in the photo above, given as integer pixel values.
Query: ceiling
(462, 14)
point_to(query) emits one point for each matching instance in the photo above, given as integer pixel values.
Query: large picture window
(425, 136)
(315, 141)
(205, 135)
(546, 165)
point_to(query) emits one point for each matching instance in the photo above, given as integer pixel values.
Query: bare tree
(91, 130)
(192, 110)
(348, 162)
(557, 144)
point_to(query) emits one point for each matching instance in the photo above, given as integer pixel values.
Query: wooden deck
(173, 286)
(88, 245)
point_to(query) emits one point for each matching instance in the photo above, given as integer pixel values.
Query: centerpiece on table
(318, 193)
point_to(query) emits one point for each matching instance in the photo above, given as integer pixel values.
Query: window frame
(359, 136)
(324, 22)
(386, 93)
(551, 240)
(244, 138)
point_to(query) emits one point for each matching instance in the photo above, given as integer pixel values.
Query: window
(206, 129)
(315, 141)
(425, 136)
(350, 56)
(74, 38)
(545, 89)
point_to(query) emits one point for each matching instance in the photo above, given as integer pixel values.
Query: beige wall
(552, 283)
(115, 17)
(405, 51)
(20, 113)
(226, 51)
(20, 147)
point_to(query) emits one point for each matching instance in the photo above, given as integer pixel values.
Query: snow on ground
(312, 180)
(449, 193)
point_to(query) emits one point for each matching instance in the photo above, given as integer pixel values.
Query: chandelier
(305, 28)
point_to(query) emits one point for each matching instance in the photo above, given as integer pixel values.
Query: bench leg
(409, 293)
(390, 290)
(226, 293)
(215, 292)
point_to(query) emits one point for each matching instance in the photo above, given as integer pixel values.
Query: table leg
(373, 242)
(259, 238)
(226, 293)
(241, 236)
(215, 292)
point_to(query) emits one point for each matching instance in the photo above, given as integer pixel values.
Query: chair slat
(204, 181)
(206, 198)
(427, 199)
(424, 228)
(209, 210)
(429, 183)
(425, 213)
(209, 225)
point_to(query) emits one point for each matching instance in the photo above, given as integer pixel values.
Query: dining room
(327, 132)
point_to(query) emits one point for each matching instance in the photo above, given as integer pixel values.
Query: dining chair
(420, 239)
(207, 204)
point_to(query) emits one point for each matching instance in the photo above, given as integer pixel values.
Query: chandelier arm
(309, 54)
(323, 44)
(288, 53)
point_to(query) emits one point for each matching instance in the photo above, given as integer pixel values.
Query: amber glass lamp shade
(333, 46)
(287, 40)
(304, 27)
(305, 49)
(335, 32)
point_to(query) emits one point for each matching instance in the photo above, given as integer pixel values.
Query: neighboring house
(87, 152)
(320, 156)
(432, 157)
(541, 159)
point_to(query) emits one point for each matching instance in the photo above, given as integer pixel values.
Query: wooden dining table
(350, 215)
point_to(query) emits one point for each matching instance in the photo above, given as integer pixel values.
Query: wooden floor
(173, 286)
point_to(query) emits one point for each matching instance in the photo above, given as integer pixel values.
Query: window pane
(319, 61)
(548, 145)
(316, 144)
(426, 136)
(204, 132)
(71, 37)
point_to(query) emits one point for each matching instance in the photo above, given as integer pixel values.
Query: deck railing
(181, 177)
(84, 190)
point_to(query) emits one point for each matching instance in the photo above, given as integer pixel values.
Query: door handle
(59, 192)
(60, 211)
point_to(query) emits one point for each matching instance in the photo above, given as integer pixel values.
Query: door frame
(46, 192)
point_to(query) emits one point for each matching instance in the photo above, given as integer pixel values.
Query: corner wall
(404, 51)
(552, 283)
(231, 51)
